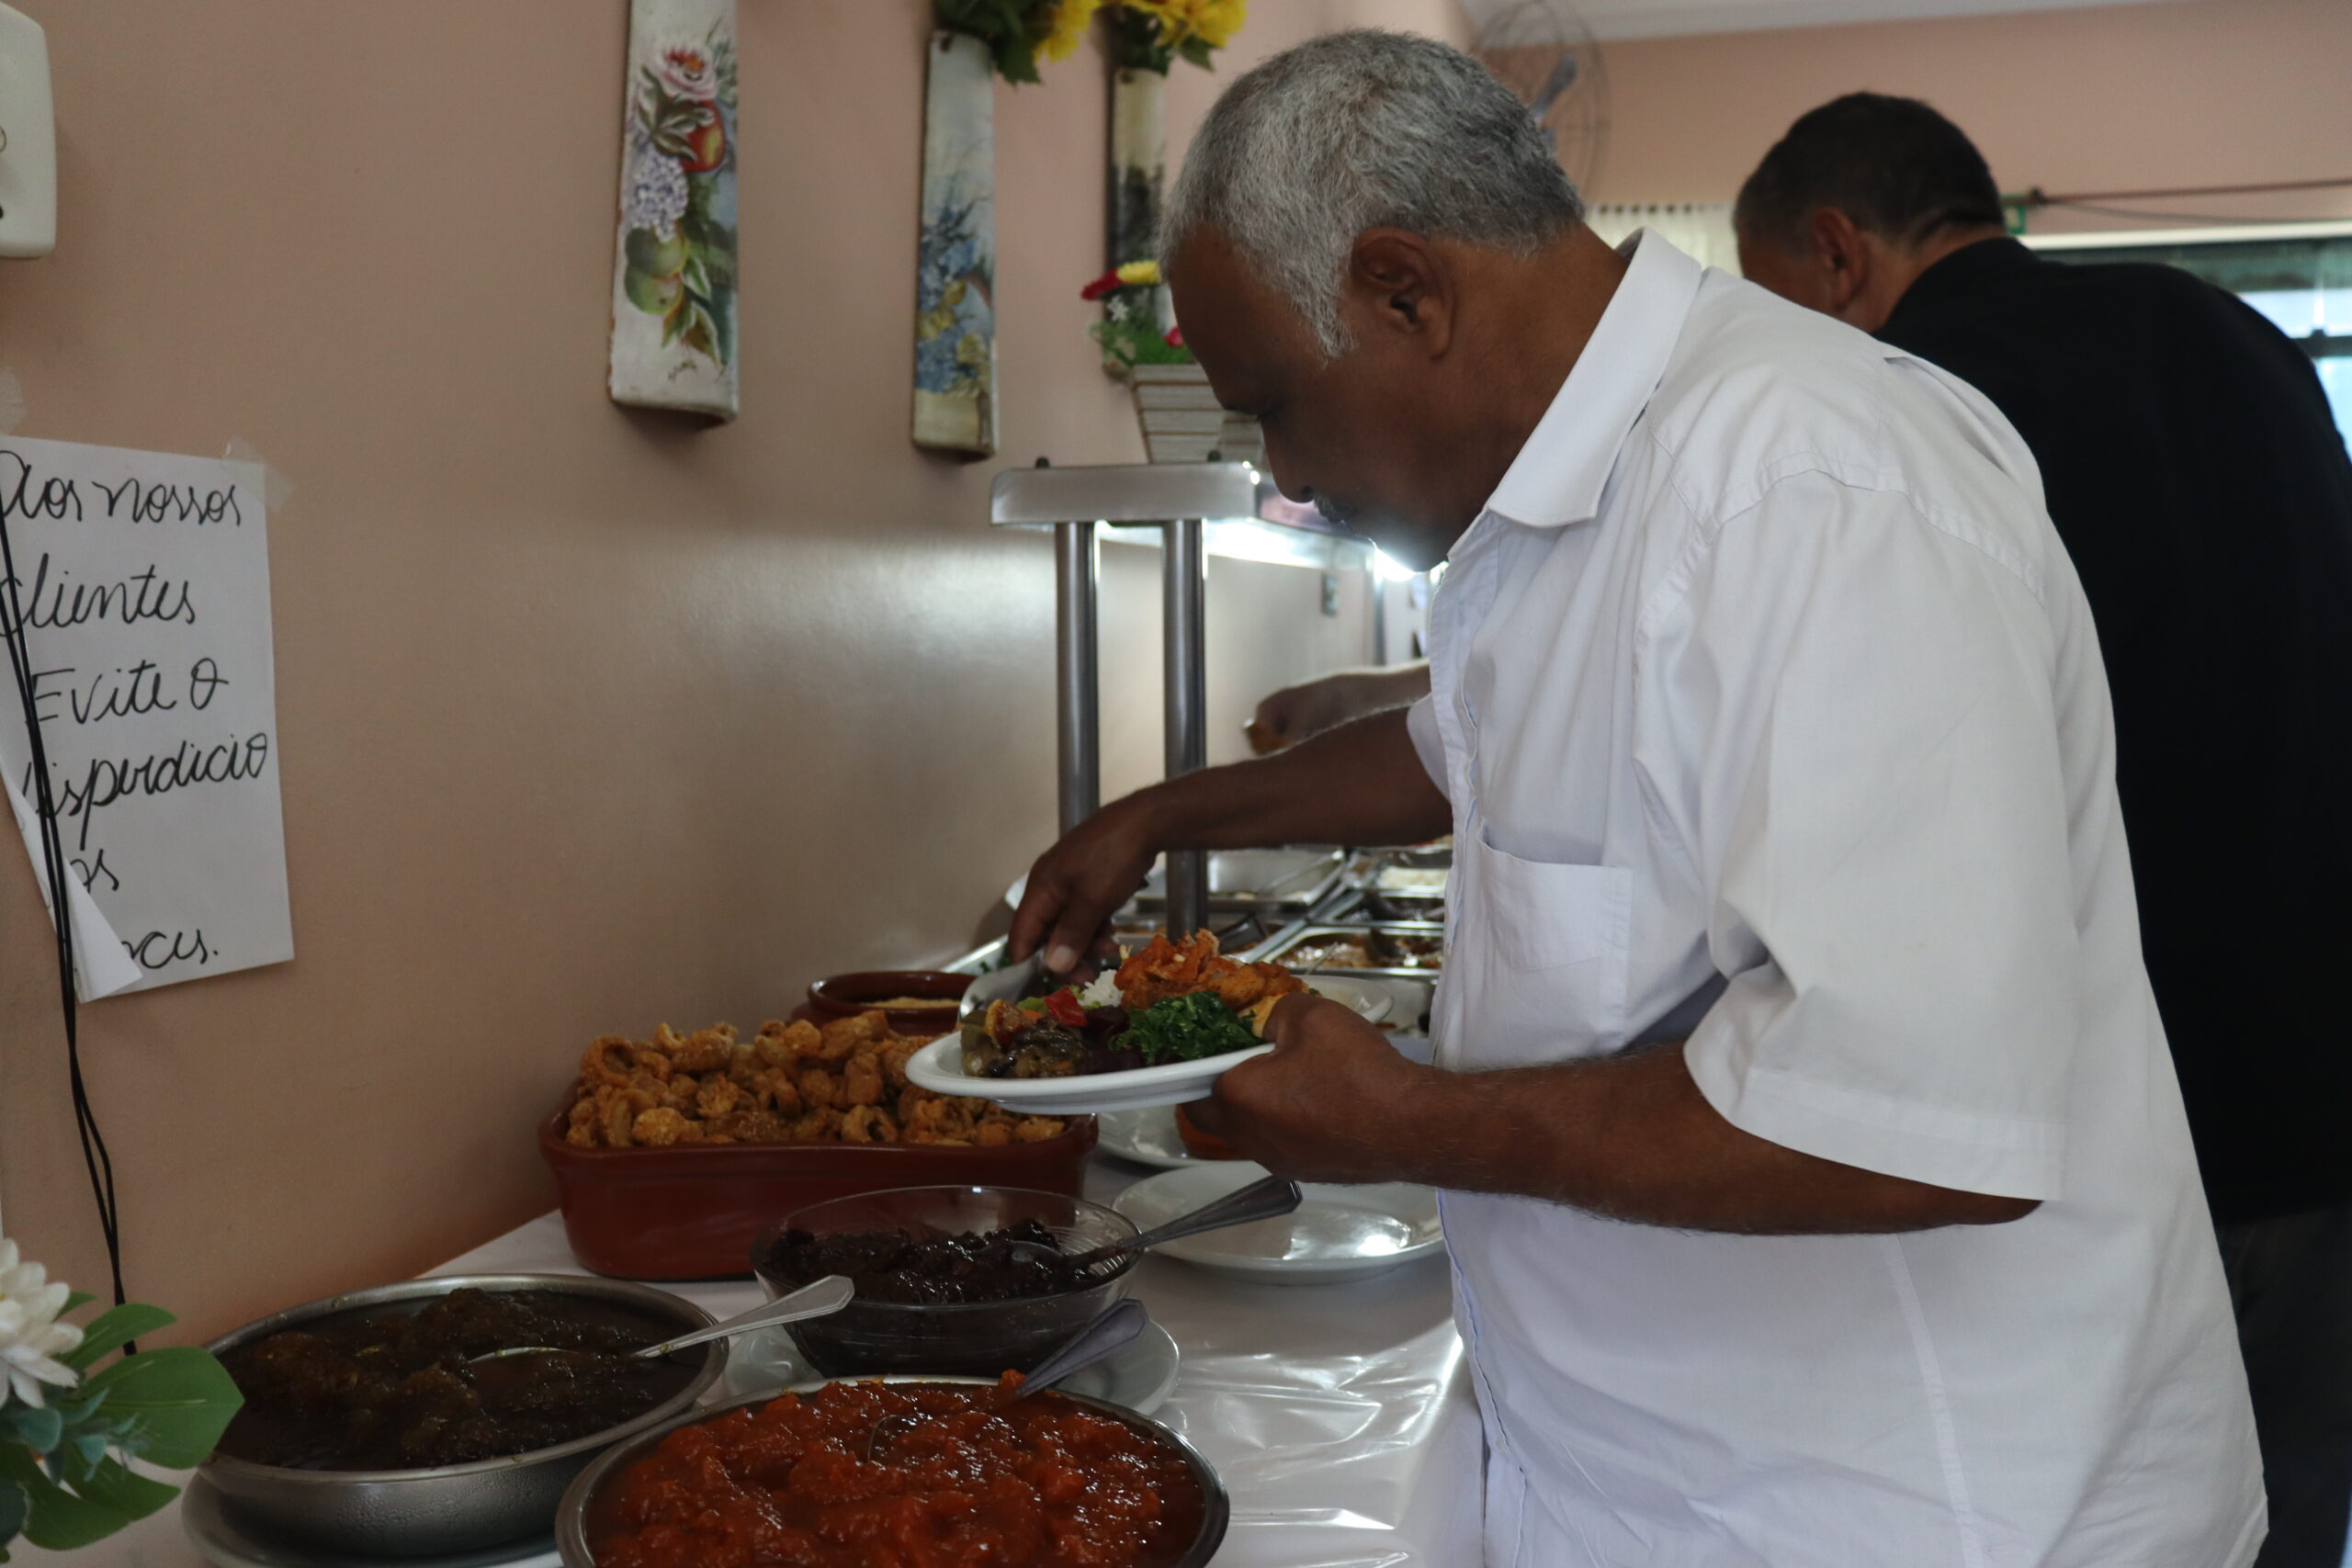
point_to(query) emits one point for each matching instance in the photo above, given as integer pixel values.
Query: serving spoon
(1267, 1197)
(829, 1294)
(1112, 1330)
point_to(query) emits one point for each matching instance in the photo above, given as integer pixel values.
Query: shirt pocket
(1557, 939)
(1546, 914)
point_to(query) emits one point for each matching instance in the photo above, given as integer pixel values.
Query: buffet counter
(1339, 1417)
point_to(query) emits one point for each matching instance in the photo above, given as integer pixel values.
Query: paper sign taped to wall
(144, 581)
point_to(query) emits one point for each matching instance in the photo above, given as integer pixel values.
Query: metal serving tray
(1299, 936)
(1246, 881)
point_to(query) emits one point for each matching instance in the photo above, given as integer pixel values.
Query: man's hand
(1363, 783)
(1290, 716)
(1074, 886)
(1327, 1105)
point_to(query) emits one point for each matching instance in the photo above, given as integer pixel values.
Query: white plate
(1338, 1234)
(1141, 1377)
(1147, 1138)
(939, 1067)
(228, 1540)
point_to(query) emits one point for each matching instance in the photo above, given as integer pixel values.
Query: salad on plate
(1169, 1002)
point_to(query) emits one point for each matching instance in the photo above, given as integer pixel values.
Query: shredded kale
(1186, 1029)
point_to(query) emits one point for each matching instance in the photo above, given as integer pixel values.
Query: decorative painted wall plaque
(675, 338)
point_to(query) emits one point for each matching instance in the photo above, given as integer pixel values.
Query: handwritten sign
(144, 581)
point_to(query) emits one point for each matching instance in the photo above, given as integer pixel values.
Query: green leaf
(1196, 51)
(54, 1517)
(111, 1329)
(176, 1403)
(78, 1299)
(14, 1507)
(110, 1483)
(38, 1427)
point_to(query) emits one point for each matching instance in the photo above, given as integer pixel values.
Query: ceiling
(1660, 18)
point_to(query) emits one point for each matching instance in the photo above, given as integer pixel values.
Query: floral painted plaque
(955, 265)
(674, 263)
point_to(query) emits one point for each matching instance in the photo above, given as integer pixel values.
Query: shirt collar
(1558, 477)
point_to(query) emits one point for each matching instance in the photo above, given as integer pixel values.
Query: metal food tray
(1244, 881)
(1301, 934)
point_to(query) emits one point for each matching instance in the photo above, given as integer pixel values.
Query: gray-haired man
(1816, 1178)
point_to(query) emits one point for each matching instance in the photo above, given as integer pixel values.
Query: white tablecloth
(1339, 1416)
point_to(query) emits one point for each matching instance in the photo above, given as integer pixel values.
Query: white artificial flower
(30, 1336)
(1102, 991)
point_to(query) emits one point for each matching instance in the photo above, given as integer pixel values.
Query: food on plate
(1169, 1002)
(402, 1392)
(1021, 1260)
(914, 1002)
(1044, 1481)
(792, 1083)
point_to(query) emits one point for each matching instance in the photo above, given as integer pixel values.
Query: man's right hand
(1362, 784)
(1074, 886)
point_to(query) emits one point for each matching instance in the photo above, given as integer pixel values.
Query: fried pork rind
(662, 1125)
(845, 1082)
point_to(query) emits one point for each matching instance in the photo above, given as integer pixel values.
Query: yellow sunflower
(1214, 22)
(1071, 19)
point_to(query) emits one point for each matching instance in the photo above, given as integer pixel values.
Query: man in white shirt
(1814, 1177)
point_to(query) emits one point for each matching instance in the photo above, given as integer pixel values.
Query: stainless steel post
(1077, 698)
(1183, 583)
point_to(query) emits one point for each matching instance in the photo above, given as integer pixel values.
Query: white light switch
(29, 153)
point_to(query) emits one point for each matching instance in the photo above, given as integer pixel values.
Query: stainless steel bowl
(572, 1519)
(458, 1507)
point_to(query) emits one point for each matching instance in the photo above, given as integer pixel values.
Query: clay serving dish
(839, 996)
(692, 1210)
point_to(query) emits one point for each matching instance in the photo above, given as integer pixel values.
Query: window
(2300, 277)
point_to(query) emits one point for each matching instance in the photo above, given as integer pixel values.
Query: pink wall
(2190, 93)
(588, 718)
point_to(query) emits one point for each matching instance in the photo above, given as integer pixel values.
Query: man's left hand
(1334, 1101)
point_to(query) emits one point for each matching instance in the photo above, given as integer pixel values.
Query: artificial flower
(1138, 274)
(30, 1336)
(688, 72)
(1071, 19)
(1173, 338)
(1214, 22)
(1109, 282)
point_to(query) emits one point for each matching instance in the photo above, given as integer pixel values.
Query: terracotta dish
(839, 996)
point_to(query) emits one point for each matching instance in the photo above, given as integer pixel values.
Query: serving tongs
(1004, 985)
(827, 1296)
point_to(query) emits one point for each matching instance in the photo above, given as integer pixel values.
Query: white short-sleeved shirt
(1771, 716)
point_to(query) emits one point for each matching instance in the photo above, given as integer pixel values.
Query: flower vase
(956, 405)
(1183, 423)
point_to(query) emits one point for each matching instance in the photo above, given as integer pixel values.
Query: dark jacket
(2192, 467)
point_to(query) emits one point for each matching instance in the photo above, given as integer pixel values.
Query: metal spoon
(1113, 1330)
(829, 1294)
(1265, 1199)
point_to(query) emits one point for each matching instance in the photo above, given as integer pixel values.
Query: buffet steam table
(1339, 1416)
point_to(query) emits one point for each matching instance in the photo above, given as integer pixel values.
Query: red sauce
(1045, 1483)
